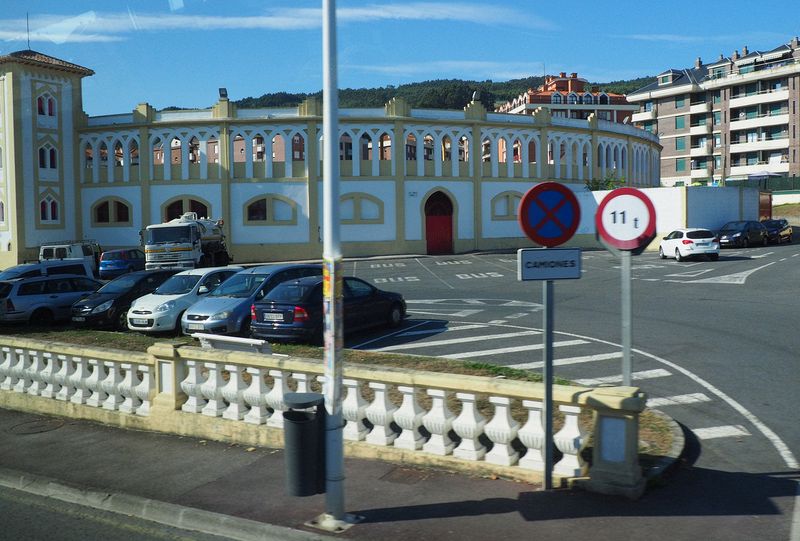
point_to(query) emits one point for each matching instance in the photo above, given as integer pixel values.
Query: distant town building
(731, 119)
(411, 181)
(571, 97)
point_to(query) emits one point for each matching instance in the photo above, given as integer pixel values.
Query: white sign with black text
(548, 264)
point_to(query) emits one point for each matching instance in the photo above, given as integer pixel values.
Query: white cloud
(463, 69)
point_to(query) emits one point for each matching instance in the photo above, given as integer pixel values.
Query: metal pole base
(328, 523)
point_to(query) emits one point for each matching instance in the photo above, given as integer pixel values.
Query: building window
(680, 101)
(680, 122)
(680, 164)
(664, 79)
(680, 143)
(48, 209)
(572, 99)
(48, 157)
(361, 208)
(176, 208)
(505, 205)
(2, 212)
(717, 118)
(46, 105)
(716, 97)
(555, 98)
(111, 211)
(648, 106)
(271, 209)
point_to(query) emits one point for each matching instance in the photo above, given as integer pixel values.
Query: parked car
(41, 300)
(108, 306)
(162, 309)
(685, 243)
(226, 310)
(778, 230)
(116, 262)
(293, 310)
(83, 250)
(742, 234)
(47, 268)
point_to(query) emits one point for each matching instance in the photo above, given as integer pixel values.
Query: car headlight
(102, 307)
(736, 235)
(225, 314)
(165, 307)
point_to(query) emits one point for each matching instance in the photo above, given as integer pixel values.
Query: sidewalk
(238, 492)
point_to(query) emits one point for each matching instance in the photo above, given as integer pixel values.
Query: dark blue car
(114, 263)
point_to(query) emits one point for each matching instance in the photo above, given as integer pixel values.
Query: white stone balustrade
(214, 391)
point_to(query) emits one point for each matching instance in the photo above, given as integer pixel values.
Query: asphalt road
(714, 342)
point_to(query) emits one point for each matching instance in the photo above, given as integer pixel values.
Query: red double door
(439, 224)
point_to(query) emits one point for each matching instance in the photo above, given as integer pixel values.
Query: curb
(676, 450)
(176, 516)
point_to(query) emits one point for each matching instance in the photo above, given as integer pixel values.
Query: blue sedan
(114, 263)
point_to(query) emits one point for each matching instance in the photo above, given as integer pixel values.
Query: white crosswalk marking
(677, 400)
(720, 432)
(435, 330)
(570, 360)
(645, 374)
(417, 345)
(514, 349)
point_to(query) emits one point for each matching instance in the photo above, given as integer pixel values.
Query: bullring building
(412, 180)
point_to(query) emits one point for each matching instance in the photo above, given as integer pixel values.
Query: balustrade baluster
(302, 382)
(111, 386)
(212, 391)
(502, 430)
(144, 390)
(256, 397)
(94, 383)
(233, 392)
(20, 371)
(8, 378)
(532, 436)
(409, 417)
(34, 372)
(275, 398)
(438, 421)
(64, 378)
(381, 414)
(354, 411)
(78, 381)
(469, 426)
(48, 375)
(570, 440)
(127, 389)
(191, 385)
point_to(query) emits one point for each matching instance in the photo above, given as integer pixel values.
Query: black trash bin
(304, 443)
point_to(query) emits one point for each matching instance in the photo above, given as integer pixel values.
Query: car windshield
(178, 284)
(733, 226)
(701, 234)
(5, 289)
(15, 272)
(239, 285)
(291, 292)
(773, 223)
(161, 235)
(113, 256)
(120, 285)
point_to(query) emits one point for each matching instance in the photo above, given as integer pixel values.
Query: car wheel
(745, 242)
(177, 328)
(661, 253)
(713, 257)
(678, 256)
(789, 239)
(764, 241)
(42, 317)
(245, 330)
(395, 315)
(122, 320)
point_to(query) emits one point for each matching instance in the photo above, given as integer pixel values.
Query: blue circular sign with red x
(549, 214)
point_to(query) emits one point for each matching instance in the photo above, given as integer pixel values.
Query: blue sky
(179, 52)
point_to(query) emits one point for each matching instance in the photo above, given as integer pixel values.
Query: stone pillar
(169, 373)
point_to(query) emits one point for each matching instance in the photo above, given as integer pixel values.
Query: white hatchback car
(685, 243)
(162, 310)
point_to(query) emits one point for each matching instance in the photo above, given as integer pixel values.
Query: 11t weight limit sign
(625, 219)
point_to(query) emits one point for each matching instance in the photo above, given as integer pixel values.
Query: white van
(86, 250)
(48, 268)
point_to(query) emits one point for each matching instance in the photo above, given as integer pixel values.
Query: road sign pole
(626, 317)
(547, 376)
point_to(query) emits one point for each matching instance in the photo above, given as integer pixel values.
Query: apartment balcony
(765, 96)
(700, 150)
(700, 129)
(701, 172)
(777, 143)
(703, 107)
(644, 116)
(759, 122)
(777, 167)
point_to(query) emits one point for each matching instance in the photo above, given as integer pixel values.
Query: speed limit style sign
(626, 220)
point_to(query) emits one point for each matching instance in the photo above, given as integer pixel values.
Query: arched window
(2, 212)
(603, 99)
(175, 208)
(51, 107)
(270, 209)
(556, 98)
(53, 160)
(360, 208)
(48, 157)
(176, 156)
(572, 98)
(111, 211)
(588, 99)
(298, 148)
(46, 105)
(40, 105)
(505, 205)
(48, 209)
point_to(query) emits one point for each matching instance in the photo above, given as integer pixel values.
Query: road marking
(570, 360)
(728, 431)
(499, 351)
(691, 274)
(760, 256)
(433, 273)
(645, 374)
(435, 330)
(383, 337)
(649, 279)
(443, 312)
(676, 400)
(738, 278)
(497, 322)
(466, 340)
(518, 315)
